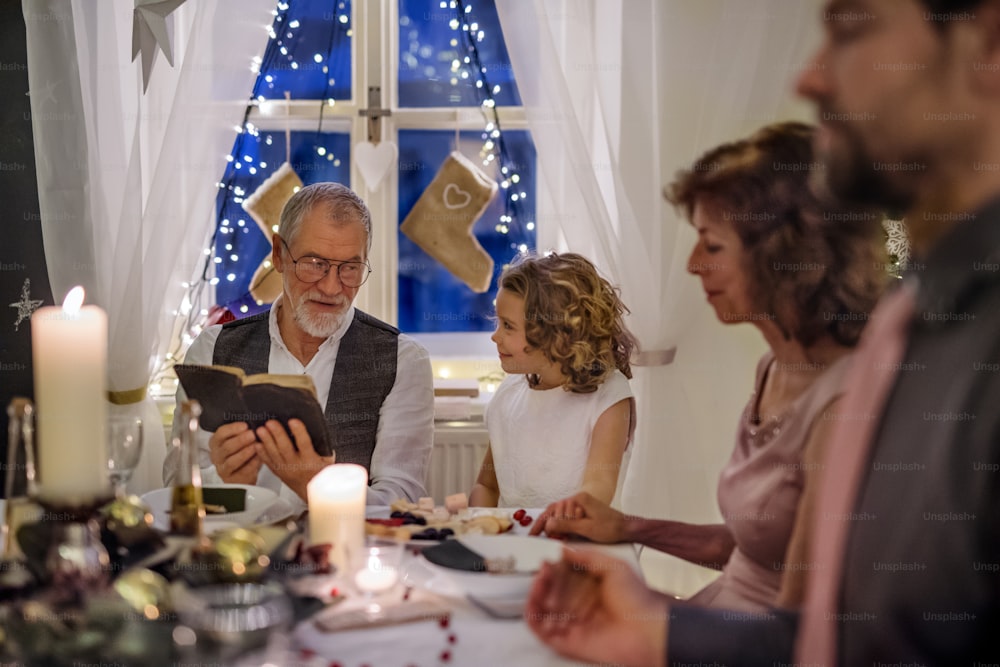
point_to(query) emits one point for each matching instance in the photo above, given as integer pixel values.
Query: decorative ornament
(26, 306)
(441, 221)
(374, 161)
(374, 157)
(149, 31)
(264, 206)
(897, 245)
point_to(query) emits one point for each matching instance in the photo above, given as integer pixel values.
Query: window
(417, 55)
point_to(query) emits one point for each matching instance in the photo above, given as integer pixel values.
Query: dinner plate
(524, 554)
(262, 506)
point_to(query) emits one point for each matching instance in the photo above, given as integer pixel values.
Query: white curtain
(127, 180)
(620, 94)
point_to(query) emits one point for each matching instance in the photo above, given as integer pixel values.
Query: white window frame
(374, 58)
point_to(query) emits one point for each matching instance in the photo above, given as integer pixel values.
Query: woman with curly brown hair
(806, 273)
(560, 422)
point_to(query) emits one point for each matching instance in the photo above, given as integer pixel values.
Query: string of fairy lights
(198, 300)
(273, 71)
(470, 33)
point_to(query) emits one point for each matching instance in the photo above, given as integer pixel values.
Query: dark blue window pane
(428, 43)
(312, 55)
(237, 234)
(430, 298)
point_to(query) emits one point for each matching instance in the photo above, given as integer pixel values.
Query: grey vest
(364, 374)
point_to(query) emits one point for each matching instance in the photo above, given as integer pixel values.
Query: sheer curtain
(620, 94)
(126, 180)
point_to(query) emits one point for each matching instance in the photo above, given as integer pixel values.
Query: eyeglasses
(314, 269)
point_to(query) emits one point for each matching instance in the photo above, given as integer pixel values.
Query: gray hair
(342, 206)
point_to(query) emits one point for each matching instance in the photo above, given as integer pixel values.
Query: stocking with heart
(441, 221)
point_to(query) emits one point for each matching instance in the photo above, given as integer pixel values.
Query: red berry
(444, 621)
(519, 514)
(452, 639)
(526, 520)
(445, 656)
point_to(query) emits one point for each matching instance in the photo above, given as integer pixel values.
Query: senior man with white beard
(375, 383)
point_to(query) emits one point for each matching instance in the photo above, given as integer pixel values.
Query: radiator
(459, 448)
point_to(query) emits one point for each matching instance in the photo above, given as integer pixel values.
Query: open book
(227, 394)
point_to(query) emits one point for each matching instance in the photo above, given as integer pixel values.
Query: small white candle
(376, 579)
(337, 510)
(69, 350)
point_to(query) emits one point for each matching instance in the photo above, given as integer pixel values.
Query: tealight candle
(337, 509)
(69, 351)
(376, 576)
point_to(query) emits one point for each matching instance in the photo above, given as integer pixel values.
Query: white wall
(728, 68)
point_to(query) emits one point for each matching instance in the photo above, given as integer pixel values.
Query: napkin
(234, 500)
(404, 612)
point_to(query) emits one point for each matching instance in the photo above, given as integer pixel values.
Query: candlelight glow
(73, 301)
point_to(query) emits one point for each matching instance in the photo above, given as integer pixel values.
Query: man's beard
(318, 325)
(850, 176)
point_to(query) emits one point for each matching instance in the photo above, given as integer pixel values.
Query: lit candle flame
(73, 301)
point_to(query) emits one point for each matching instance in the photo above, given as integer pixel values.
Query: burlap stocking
(264, 206)
(441, 220)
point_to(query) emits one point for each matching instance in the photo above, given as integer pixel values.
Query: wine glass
(375, 570)
(124, 449)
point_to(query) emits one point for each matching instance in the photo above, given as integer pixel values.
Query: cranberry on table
(526, 520)
(519, 514)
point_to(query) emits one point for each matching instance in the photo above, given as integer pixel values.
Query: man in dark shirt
(908, 93)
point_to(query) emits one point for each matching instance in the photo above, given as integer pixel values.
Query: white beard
(317, 325)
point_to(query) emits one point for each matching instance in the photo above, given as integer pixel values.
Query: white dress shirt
(406, 419)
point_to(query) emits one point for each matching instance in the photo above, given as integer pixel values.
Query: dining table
(426, 619)
(452, 628)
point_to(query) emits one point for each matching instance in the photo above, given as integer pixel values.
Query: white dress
(541, 438)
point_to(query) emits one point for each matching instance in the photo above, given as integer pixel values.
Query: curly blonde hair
(574, 316)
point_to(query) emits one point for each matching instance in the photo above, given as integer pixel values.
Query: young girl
(560, 422)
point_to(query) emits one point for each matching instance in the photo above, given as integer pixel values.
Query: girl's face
(516, 355)
(717, 258)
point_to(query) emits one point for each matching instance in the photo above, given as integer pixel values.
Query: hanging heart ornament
(374, 161)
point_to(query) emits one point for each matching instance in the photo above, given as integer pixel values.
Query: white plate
(528, 553)
(258, 502)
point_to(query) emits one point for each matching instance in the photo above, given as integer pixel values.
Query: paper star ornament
(150, 33)
(26, 306)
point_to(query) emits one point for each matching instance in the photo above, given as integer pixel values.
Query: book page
(293, 381)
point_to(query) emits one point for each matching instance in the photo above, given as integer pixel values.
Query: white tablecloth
(479, 639)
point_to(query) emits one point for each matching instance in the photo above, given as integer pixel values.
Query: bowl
(229, 619)
(522, 555)
(258, 500)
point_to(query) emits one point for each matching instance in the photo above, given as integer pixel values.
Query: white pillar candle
(69, 351)
(337, 510)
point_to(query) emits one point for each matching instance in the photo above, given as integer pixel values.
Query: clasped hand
(593, 607)
(581, 515)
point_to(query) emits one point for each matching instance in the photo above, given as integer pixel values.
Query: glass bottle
(187, 509)
(20, 483)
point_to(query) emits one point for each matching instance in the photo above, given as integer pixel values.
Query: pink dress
(759, 491)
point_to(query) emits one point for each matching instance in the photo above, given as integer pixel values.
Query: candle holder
(375, 572)
(76, 563)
